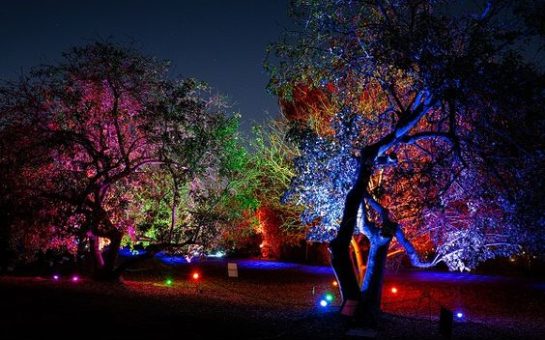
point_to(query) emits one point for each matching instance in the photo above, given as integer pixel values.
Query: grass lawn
(269, 300)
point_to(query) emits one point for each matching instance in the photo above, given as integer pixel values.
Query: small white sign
(232, 269)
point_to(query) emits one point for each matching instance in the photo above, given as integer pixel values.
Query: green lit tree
(272, 162)
(188, 210)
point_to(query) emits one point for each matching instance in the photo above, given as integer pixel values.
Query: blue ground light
(166, 259)
(276, 265)
(128, 252)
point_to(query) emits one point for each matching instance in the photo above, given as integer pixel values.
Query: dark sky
(219, 41)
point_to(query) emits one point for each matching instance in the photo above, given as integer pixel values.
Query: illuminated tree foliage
(263, 175)
(272, 165)
(84, 136)
(419, 127)
(187, 209)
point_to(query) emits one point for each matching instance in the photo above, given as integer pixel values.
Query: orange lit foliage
(311, 106)
(316, 107)
(276, 237)
(241, 236)
(270, 224)
(369, 99)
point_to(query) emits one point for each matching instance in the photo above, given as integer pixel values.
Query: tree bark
(360, 267)
(104, 268)
(104, 261)
(98, 259)
(110, 257)
(344, 271)
(339, 246)
(371, 289)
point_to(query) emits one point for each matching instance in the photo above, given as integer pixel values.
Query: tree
(272, 166)
(90, 130)
(190, 209)
(258, 179)
(421, 117)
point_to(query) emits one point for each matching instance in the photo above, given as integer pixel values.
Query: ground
(269, 300)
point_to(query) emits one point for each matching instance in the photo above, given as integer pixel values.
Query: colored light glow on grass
(394, 290)
(56, 277)
(459, 315)
(328, 297)
(75, 278)
(169, 282)
(196, 276)
(334, 283)
(323, 303)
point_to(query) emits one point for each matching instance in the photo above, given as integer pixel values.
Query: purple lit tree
(418, 124)
(86, 133)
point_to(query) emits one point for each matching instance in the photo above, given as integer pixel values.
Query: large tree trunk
(104, 261)
(339, 246)
(96, 253)
(359, 266)
(371, 288)
(344, 271)
(108, 272)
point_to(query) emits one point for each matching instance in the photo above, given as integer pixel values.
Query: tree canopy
(88, 138)
(419, 122)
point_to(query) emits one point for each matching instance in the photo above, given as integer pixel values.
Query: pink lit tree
(90, 130)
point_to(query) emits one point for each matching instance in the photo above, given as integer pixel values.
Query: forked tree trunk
(339, 246)
(371, 288)
(370, 293)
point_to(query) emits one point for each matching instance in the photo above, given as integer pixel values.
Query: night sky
(221, 42)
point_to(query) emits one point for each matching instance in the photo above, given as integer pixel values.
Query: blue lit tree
(416, 126)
